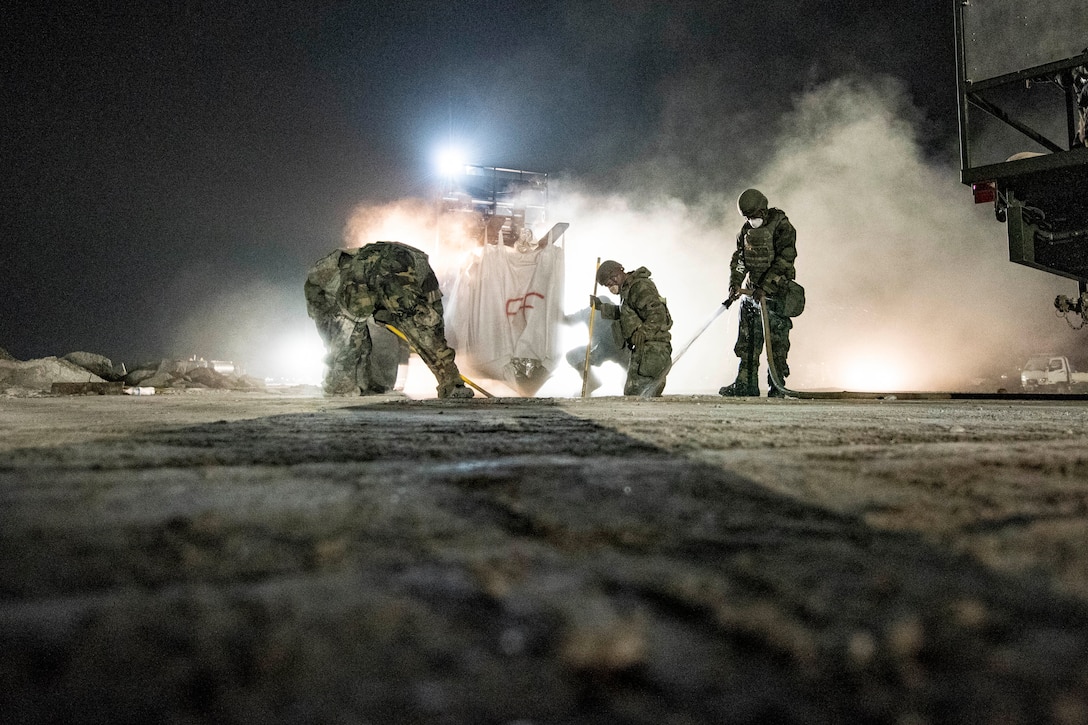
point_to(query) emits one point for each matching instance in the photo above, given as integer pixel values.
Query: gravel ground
(278, 557)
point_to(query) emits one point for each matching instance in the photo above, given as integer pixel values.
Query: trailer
(1022, 84)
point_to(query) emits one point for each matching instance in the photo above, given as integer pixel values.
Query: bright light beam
(451, 161)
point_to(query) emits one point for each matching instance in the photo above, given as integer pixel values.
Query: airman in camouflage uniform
(763, 262)
(606, 346)
(644, 324)
(394, 284)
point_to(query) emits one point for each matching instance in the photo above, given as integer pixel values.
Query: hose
(465, 380)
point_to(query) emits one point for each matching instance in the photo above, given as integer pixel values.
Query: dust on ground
(281, 557)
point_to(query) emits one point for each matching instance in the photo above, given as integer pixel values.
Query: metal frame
(1040, 196)
(969, 96)
(507, 200)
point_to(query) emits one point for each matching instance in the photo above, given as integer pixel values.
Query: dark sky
(153, 158)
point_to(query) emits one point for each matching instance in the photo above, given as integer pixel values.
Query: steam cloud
(908, 283)
(909, 286)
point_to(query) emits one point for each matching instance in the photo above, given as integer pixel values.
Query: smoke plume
(908, 283)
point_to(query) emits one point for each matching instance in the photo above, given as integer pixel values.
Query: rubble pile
(39, 376)
(188, 374)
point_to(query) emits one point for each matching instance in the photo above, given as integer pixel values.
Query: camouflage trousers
(749, 345)
(350, 346)
(396, 284)
(352, 367)
(426, 331)
(347, 362)
(649, 366)
(598, 356)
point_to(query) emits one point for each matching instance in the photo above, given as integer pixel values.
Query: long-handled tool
(466, 381)
(680, 353)
(589, 346)
(648, 391)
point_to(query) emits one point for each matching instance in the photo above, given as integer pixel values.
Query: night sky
(156, 159)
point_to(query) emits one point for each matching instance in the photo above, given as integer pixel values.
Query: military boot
(773, 391)
(737, 389)
(460, 391)
(746, 385)
(339, 382)
(455, 390)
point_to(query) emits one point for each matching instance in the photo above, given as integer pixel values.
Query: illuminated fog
(908, 282)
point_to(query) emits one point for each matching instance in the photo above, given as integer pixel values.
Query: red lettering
(522, 303)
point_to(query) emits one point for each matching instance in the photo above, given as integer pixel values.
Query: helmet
(608, 268)
(751, 201)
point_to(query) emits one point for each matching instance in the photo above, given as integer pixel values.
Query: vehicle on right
(1022, 85)
(1050, 373)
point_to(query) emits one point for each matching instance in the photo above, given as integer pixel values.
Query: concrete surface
(277, 557)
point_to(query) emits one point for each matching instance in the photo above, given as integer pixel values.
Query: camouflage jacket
(391, 275)
(352, 283)
(765, 255)
(322, 286)
(641, 308)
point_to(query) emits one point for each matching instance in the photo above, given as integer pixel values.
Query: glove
(734, 293)
(595, 302)
(638, 338)
(758, 294)
(384, 317)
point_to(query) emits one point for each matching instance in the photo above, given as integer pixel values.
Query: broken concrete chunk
(40, 374)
